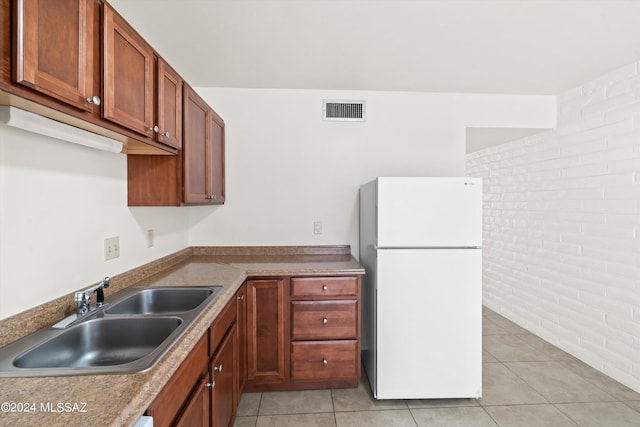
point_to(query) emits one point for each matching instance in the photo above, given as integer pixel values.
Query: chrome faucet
(83, 298)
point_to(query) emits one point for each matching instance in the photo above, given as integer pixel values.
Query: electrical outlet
(317, 227)
(111, 248)
(150, 238)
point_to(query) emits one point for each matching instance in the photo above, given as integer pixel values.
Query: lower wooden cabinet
(266, 331)
(197, 410)
(241, 332)
(303, 333)
(277, 333)
(183, 396)
(204, 391)
(324, 360)
(223, 379)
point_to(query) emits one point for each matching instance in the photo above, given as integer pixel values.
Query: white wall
(286, 168)
(562, 226)
(58, 202)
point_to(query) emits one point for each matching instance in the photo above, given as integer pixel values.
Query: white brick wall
(562, 226)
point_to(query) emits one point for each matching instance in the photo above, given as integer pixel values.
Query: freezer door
(429, 212)
(429, 324)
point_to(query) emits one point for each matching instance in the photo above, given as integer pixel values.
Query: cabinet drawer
(221, 325)
(324, 286)
(313, 320)
(318, 360)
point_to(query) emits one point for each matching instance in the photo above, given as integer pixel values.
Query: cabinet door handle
(94, 100)
(240, 297)
(325, 361)
(218, 368)
(325, 287)
(154, 129)
(210, 385)
(166, 134)
(324, 320)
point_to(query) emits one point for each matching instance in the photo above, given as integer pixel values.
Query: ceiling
(472, 46)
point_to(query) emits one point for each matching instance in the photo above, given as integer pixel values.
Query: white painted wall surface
(58, 202)
(287, 168)
(562, 226)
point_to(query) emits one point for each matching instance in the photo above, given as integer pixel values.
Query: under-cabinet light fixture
(15, 117)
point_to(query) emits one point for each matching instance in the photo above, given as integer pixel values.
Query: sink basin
(100, 342)
(130, 334)
(162, 300)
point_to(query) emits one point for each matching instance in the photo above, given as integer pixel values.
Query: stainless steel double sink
(127, 335)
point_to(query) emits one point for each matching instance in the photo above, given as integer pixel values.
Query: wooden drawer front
(313, 320)
(221, 325)
(319, 360)
(324, 286)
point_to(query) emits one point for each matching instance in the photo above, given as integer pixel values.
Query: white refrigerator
(420, 244)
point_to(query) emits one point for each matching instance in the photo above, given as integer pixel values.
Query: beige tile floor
(527, 382)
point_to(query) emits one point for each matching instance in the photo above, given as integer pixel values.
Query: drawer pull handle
(210, 385)
(325, 361)
(325, 287)
(324, 320)
(218, 368)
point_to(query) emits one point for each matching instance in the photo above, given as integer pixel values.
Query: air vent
(350, 111)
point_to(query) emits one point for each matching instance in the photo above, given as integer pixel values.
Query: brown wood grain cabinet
(79, 62)
(325, 331)
(197, 411)
(267, 338)
(141, 91)
(216, 156)
(196, 175)
(303, 333)
(275, 333)
(169, 105)
(185, 389)
(204, 391)
(241, 330)
(56, 50)
(223, 369)
(203, 151)
(128, 75)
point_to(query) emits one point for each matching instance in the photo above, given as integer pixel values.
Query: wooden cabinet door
(169, 102)
(196, 139)
(177, 394)
(56, 46)
(216, 156)
(222, 371)
(266, 338)
(197, 411)
(241, 330)
(128, 65)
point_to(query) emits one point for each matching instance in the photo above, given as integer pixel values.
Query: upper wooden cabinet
(133, 96)
(128, 78)
(217, 159)
(80, 63)
(196, 175)
(169, 102)
(203, 152)
(56, 50)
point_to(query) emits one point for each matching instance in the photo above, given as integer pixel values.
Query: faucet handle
(82, 303)
(105, 282)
